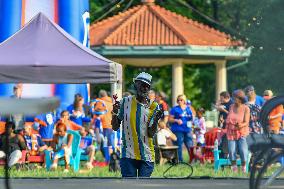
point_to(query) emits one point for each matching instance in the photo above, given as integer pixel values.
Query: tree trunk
(237, 17)
(215, 6)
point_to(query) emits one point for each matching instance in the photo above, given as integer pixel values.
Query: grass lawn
(198, 170)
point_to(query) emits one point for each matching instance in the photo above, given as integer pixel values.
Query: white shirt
(162, 136)
(136, 119)
(201, 124)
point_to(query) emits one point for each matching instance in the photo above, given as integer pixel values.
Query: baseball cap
(268, 93)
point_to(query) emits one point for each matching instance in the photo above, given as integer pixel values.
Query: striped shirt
(136, 118)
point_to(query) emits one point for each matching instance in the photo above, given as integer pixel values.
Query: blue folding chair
(74, 157)
(218, 162)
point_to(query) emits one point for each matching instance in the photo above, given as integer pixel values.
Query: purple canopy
(42, 52)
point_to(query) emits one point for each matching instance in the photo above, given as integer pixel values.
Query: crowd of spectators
(181, 126)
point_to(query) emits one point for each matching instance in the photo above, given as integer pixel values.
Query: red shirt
(165, 108)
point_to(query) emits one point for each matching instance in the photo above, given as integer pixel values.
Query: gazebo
(151, 36)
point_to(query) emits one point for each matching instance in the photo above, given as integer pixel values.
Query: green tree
(264, 29)
(258, 23)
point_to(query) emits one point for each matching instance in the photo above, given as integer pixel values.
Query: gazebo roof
(151, 25)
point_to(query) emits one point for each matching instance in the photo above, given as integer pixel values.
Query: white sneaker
(66, 171)
(53, 166)
(89, 165)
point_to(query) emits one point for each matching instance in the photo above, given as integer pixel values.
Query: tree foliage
(258, 23)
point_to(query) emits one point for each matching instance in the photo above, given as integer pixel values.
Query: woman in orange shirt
(275, 119)
(238, 129)
(275, 116)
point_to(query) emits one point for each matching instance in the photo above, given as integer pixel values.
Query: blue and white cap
(144, 77)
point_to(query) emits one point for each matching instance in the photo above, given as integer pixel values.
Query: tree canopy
(257, 22)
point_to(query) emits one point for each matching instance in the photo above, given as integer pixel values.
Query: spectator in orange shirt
(106, 120)
(99, 111)
(71, 125)
(275, 116)
(103, 96)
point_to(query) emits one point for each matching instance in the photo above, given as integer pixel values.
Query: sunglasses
(180, 100)
(145, 85)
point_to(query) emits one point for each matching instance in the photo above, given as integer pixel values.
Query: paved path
(127, 184)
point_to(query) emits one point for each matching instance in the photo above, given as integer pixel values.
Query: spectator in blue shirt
(45, 124)
(86, 145)
(252, 97)
(180, 119)
(78, 112)
(34, 143)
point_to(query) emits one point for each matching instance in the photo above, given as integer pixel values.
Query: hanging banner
(9, 24)
(73, 17)
(30, 8)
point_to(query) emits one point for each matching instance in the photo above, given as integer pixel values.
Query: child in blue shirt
(86, 144)
(45, 122)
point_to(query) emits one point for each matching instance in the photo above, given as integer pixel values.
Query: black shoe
(18, 166)
(31, 166)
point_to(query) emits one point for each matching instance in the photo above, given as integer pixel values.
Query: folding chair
(74, 157)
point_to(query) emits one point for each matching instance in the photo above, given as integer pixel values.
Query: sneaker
(31, 166)
(38, 166)
(234, 168)
(244, 169)
(53, 167)
(66, 171)
(89, 165)
(18, 167)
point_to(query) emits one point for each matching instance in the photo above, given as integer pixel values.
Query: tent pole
(116, 88)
